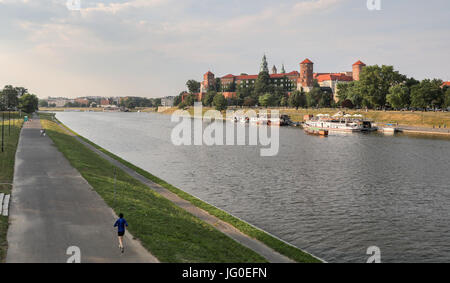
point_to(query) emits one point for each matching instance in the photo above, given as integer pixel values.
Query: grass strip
(167, 231)
(276, 244)
(7, 159)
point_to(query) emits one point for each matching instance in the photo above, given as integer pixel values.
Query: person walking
(121, 223)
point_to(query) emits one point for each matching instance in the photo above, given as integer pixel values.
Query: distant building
(445, 84)
(168, 101)
(59, 101)
(104, 102)
(306, 79)
(289, 81)
(82, 101)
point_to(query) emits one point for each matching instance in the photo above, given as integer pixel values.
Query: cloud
(115, 8)
(166, 42)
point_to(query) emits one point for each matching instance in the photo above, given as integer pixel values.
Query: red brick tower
(357, 68)
(306, 79)
(209, 80)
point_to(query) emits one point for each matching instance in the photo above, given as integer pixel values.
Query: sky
(150, 48)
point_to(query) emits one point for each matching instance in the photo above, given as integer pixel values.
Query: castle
(289, 81)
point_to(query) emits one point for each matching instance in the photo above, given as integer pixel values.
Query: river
(334, 197)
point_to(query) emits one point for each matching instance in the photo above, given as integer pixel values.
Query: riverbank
(7, 160)
(428, 123)
(241, 226)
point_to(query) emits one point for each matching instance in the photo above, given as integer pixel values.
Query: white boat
(335, 125)
(266, 119)
(339, 123)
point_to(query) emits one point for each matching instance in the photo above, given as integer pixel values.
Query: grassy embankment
(167, 231)
(406, 118)
(7, 158)
(276, 244)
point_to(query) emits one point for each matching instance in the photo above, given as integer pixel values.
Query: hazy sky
(152, 47)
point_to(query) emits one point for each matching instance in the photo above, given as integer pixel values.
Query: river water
(334, 197)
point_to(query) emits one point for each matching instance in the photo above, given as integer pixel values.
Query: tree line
(18, 98)
(379, 87)
(382, 87)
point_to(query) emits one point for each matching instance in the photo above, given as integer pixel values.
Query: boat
(271, 120)
(316, 131)
(339, 123)
(265, 119)
(390, 129)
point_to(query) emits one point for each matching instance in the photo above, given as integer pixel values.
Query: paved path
(53, 207)
(423, 130)
(224, 227)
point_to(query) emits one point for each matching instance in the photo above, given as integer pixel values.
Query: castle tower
(283, 71)
(274, 70)
(264, 67)
(306, 79)
(357, 68)
(209, 80)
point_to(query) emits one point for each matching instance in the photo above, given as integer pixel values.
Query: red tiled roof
(294, 73)
(228, 76)
(247, 77)
(307, 61)
(333, 77)
(446, 84)
(359, 63)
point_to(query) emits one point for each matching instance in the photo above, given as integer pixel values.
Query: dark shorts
(121, 233)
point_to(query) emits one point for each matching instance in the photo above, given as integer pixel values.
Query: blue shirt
(121, 223)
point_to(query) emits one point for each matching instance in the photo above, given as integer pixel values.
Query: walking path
(423, 130)
(224, 227)
(53, 208)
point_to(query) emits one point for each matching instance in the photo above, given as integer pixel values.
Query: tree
(28, 103)
(447, 99)
(297, 99)
(375, 82)
(347, 103)
(43, 103)
(10, 97)
(267, 100)
(209, 98)
(427, 94)
(177, 100)
(190, 100)
(21, 91)
(284, 102)
(193, 86)
(249, 102)
(220, 102)
(262, 84)
(326, 99)
(398, 96)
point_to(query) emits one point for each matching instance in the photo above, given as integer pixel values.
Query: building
(303, 80)
(445, 84)
(357, 68)
(306, 79)
(326, 80)
(105, 102)
(331, 80)
(82, 101)
(59, 101)
(168, 101)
